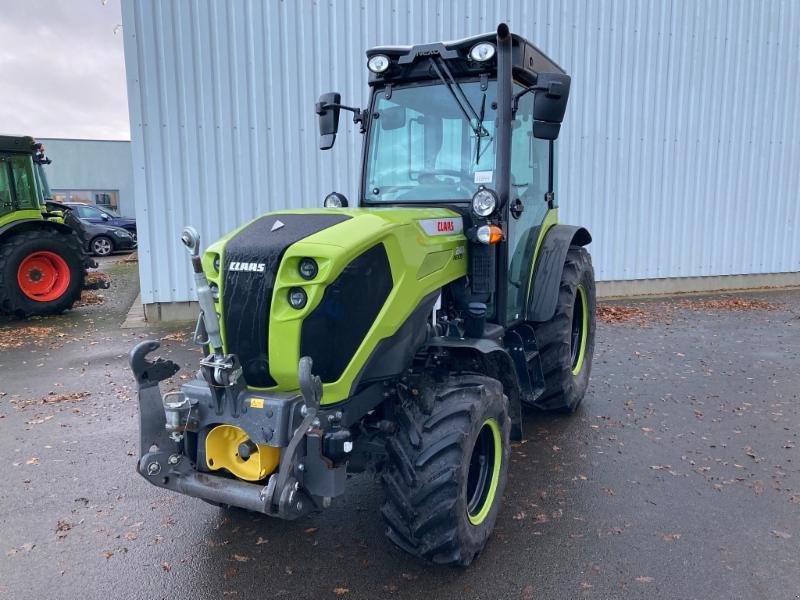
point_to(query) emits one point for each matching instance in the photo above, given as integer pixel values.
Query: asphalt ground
(677, 478)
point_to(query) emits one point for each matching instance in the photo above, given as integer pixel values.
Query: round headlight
(335, 200)
(482, 52)
(378, 63)
(214, 290)
(484, 202)
(216, 263)
(308, 268)
(297, 298)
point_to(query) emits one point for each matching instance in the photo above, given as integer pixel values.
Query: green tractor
(403, 337)
(42, 259)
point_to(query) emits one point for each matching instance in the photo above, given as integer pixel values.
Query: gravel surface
(678, 477)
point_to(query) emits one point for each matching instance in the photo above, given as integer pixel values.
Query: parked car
(99, 239)
(103, 216)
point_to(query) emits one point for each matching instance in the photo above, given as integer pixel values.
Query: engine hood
(374, 268)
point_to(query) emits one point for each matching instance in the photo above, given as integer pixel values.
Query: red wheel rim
(43, 276)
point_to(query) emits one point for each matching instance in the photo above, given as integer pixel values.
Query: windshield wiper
(463, 102)
(480, 124)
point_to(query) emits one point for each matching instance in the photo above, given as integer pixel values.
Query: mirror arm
(552, 90)
(518, 95)
(359, 115)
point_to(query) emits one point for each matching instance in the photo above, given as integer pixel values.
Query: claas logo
(445, 226)
(247, 266)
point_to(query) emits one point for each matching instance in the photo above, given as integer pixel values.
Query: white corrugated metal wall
(680, 149)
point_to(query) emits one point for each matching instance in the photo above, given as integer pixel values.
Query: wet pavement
(678, 478)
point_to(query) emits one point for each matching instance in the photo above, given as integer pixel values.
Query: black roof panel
(408, 62)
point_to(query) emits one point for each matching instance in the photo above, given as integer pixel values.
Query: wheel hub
(579, 332)
(43, 276)
(484, 472)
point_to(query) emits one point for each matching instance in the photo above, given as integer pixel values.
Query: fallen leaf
(166, 566)
(670, 537)
(62, 527)
(261, 540)
(240, 558)
(341, 591)
(644, 579)
(781, 534)
(33, 460)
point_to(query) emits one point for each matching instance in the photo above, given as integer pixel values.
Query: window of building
(106, 199)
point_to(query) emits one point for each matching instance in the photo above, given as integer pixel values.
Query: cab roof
(408, 63)
(17, 143)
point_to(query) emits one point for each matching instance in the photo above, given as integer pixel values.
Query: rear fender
(548, 269)
(31, 224)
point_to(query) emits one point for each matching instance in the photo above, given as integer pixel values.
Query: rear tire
(566, 342)
(25, 260)
(446, 470)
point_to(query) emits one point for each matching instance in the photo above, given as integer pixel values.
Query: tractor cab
(468, 125)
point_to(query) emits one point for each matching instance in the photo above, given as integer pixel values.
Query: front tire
(102, 246)
(566, 341)
(446, 470)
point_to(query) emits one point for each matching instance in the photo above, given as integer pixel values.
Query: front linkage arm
(152, 420)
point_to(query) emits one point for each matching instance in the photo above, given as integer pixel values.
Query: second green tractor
(402, 336)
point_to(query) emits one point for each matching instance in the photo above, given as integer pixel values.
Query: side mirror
(328, 112)
(104, 216)
(549, 104)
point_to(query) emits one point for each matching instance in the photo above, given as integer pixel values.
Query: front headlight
(378, 63)
(121, 233)
(484, 202)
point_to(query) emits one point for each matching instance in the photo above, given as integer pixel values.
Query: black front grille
(251, 260)
(333, 332)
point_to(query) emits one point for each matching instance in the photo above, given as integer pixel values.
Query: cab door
(6, 204)
(528, 201)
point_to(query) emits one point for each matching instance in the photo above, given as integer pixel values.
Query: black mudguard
(548, 269)
(28, 224)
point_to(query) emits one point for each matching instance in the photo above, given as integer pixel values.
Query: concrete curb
(135, 317)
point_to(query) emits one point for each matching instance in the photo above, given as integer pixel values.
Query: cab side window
(24, 182)
(5, 188)
(529, 163)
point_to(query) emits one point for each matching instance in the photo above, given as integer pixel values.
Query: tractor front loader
(402, 336)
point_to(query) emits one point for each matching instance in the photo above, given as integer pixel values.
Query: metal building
(96, 172)
(680, 149)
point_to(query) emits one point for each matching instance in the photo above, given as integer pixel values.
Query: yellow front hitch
(223, 452)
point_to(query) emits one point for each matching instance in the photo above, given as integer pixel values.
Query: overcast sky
(62, 69)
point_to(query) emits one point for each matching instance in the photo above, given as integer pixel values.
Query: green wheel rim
(580, 330)
(484, 471)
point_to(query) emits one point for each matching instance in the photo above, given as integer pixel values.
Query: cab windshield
(423, 148)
